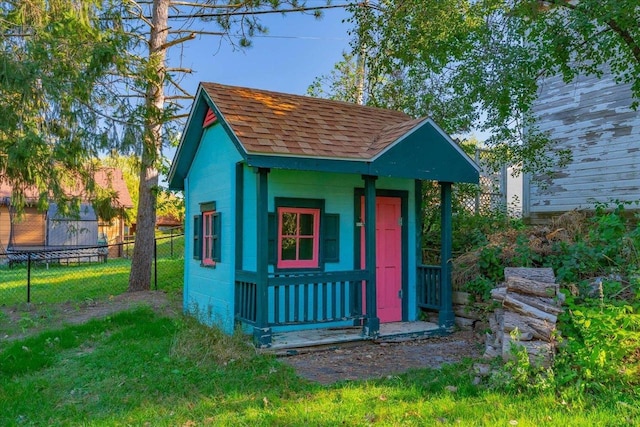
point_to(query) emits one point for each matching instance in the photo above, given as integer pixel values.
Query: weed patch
(202, 345)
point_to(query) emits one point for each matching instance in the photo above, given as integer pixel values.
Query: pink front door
(388, 257)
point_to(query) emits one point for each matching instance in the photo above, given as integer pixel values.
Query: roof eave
(178, 169)
(308, 163)
(191, 138)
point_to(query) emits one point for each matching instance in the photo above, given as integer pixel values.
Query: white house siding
(591, 117)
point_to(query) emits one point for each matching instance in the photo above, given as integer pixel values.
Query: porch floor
(289, 342)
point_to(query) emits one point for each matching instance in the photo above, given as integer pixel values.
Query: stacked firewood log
(530, 304)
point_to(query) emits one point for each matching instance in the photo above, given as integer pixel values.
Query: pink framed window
(298, 236)
(208, 237)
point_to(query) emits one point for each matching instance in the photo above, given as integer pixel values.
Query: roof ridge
(308, 97)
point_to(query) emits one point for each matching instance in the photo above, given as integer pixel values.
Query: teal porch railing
(302, 298)
(306, 298)
(429, 287)
(246, 295)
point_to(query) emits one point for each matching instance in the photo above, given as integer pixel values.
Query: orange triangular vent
(209, 119)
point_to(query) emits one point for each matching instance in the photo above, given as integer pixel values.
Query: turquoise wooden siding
(211, 177)
(337, 190)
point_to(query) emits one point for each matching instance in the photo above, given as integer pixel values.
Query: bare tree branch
(207, 6)
(178, 41)
(251, 13)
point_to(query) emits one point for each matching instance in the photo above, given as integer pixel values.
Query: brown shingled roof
(282, 124)
(111, 178)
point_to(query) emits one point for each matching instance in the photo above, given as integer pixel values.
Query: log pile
(531, 303)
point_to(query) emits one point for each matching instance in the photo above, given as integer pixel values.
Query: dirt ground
(364, 360)
(377, 360)
(20, 321)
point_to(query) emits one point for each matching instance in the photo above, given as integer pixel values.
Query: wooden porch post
(239, 237)
(261, 330)
(419, 220)
(372, 322)
(445, 316)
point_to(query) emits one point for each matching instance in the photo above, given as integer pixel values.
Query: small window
(210, 238)
(197, 232)
(298, 236)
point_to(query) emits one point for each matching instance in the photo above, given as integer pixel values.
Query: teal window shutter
(272, 236)
(330, 238)
(217, 249)
(197, 237)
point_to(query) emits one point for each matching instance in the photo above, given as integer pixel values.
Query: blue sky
(296, 49)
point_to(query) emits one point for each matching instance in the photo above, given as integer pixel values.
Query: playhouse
(305, 213)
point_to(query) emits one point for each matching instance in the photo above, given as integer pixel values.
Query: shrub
(601, 348)
(608, 249)
(597, 261)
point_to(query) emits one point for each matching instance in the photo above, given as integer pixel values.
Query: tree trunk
(140, 277)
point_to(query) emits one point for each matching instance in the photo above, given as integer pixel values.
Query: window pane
(306, 224)
(207, 223)
(207, 248)
(289, 224)
(306, 249)
(288, 249)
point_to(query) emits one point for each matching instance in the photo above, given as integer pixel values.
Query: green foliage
(170, 205)
(520, 375)
(130, 167)
(472, 231)
(601, 348)
(490, 271)
(609, 249)
(341, 84)
(476, 64)
(480, 286)
(490, 264)
(56, 59)
(524, 256)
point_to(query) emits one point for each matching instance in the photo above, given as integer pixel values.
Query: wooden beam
(446, 317)
(239, 215)
(372, 322)
(261, 331)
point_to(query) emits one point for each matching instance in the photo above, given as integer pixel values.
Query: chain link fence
(86, 273)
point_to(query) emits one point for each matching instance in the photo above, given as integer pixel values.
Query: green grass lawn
(60, 283)
(136, 368)
(84, 281)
